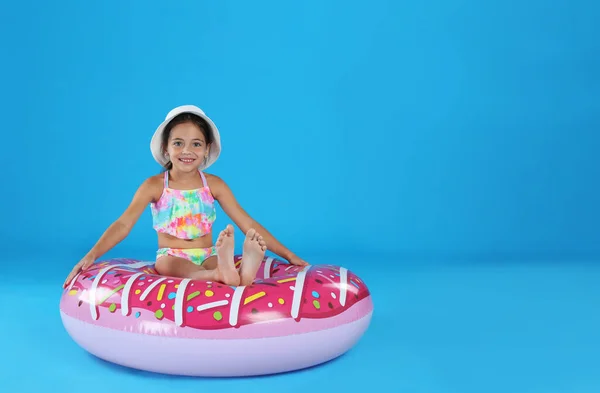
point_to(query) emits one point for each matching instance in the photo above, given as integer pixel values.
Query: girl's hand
(84, 264)
(295, 260)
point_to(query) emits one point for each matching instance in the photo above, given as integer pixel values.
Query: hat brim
(215, 147)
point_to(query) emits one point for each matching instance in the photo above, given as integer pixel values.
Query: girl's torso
(184, 218)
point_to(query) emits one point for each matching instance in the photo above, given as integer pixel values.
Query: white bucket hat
(156, 142)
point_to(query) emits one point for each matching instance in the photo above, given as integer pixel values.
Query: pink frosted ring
(290, 318)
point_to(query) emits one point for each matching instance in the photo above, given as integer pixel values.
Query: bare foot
(252, 255)
(226, 271)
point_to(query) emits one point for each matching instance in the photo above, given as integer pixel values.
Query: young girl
(182, 202)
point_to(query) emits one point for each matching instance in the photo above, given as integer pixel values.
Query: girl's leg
(180, 267)
(169, 265)
(224, 271)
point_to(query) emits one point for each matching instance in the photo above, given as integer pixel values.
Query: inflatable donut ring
(291, 317)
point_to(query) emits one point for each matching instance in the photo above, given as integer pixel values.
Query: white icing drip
(218, 303)
(125, 295)
(343, 285)
(268, 264)
(73, 282)
(298, 291)
(179, 301)
(235, 305)
(151, 287)
(92, 298)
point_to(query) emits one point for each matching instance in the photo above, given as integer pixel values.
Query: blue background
(426, 127)
(382, 134)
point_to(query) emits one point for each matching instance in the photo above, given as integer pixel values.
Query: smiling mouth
(187, 160)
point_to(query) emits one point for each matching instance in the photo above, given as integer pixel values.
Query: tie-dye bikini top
(186, 214)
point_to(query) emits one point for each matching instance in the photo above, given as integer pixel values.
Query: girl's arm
(223, 194)
(119, 229)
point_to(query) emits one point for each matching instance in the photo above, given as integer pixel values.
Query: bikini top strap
(203, 179)
(166, 179)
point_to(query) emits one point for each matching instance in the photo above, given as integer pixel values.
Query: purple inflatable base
(216, 358)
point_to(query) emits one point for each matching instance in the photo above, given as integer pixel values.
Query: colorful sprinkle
(138, 291)
(292, 287)
(72, 292)
(163, 305)
(189, 308)
(333, 295)
(137, 314)
(170, 281)
(112, 307)
(355, 284)
(217, 315)
(193, 295)
(176, 286)
(254, 297)
(209, 293)
(161, 291)
(140, 283)
(227, 295)
(159, 314)
(281, 301)
(270, 304)
(172, 295)
(315, 294)
(316, 304)
(104, 281)
(142, 277)
(286, 280)
(117, 289)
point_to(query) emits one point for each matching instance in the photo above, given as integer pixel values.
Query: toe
(250, 234)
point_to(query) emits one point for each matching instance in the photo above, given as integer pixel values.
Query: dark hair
(180, 119)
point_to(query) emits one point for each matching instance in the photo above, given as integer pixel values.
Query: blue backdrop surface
(428, 128)
(416, 130)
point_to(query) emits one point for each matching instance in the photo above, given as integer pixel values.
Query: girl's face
(187, 147)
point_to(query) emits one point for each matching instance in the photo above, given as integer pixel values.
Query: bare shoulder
(223, 194)
(152, 187)
(217, 185)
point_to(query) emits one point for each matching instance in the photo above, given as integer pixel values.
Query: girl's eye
(197, 144)
(177, 143)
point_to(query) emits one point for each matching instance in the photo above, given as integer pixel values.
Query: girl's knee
(165, 266)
